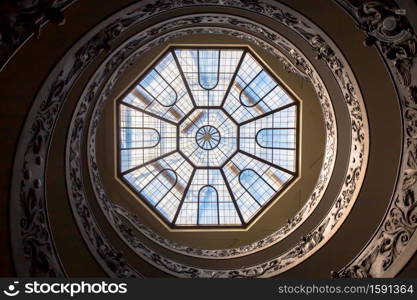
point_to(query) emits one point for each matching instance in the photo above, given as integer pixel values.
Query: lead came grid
(193, 176)
(152, 183)
(227, 60)
(226, 137)
(143, 138)
(162, 92)
(281, 149)
(273, 178)
(208, 206)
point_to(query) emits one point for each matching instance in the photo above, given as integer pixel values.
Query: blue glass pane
(159, 186)
(139, 138)
(208, 62)
(258, 188)
(261, 85)
(128, 137)
(276, 138)
(207, 208)
(158, 88)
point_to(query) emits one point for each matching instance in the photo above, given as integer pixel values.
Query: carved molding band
(20, 19)
(389, 30)
(330, 127)
(179, 270)
(28, 197)
(293, 223)
(32, 242)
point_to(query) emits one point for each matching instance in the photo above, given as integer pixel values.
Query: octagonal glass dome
(207, 137)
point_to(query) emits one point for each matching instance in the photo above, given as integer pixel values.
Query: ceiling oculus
(207, 137)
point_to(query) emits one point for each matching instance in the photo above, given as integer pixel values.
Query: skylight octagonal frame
(227, 131)
(263, 164)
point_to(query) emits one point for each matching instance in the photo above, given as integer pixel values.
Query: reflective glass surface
(207, 137)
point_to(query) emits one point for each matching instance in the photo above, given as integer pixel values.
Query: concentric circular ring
(270, 268)
(207, 137)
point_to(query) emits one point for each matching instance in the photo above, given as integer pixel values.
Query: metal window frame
(247, 189)
(143, 129)
(154, 178)
(246, 49)
(199, 73)
(271, 147)
(198, 205)
(248, 85)
(168, 85)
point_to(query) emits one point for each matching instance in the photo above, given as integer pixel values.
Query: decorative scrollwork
(29, 213)
(258, 245)
(247, 249)
(388, 29)
(307, 244)
(38, 138)
(20, 19)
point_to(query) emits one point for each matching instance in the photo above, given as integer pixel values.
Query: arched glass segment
(208, 206)
(256, 186)
(208, 201)
(239, 174)
(207, 137)
(254, 92)
(159, 89)
(161, 184)
(257, 89)
(162, 91)
(209, 72)
(143, 137)
(276, 138)
(139, 138)
(156, 189)
(208, 68)
(273, 138)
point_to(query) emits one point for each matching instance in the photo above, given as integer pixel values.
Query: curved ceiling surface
(177, 157)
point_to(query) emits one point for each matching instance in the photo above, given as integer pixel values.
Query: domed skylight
(207, 137)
